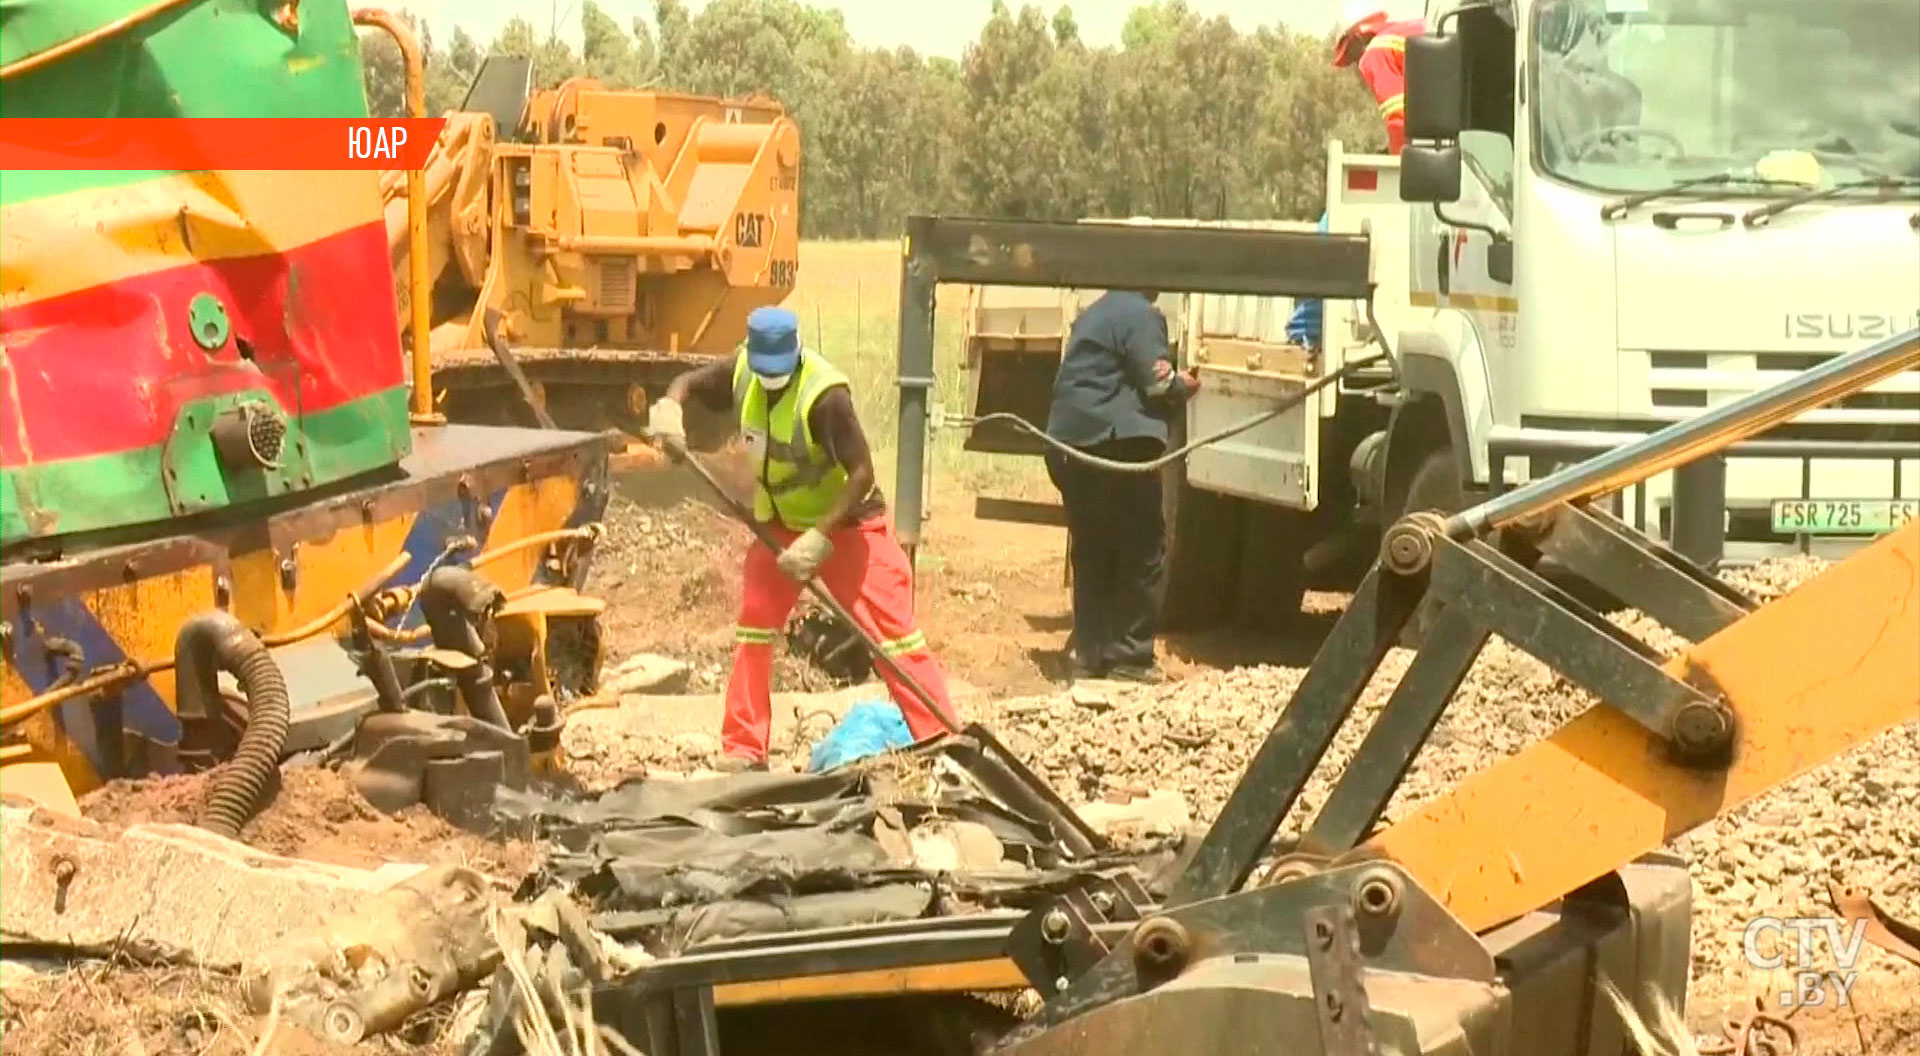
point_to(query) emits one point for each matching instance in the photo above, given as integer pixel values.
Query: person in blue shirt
(1303, 328)
(1114, 397)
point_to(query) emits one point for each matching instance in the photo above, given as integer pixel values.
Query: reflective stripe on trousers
(868, 573)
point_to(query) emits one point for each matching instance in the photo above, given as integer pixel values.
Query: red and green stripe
(102, 369)
(103, 386)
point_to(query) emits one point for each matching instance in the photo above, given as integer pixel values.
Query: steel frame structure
(941, 250)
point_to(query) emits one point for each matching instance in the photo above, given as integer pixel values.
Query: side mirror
(1500, 261)
(1430, 173)
(1436, 87)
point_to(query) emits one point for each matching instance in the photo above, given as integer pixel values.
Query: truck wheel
(1203, 550)
(1435, 486)
(1272, 578)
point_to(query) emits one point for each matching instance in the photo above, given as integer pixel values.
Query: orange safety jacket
(1384, 67)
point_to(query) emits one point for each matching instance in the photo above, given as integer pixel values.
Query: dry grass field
(848, 300)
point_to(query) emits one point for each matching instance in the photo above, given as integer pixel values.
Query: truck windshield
(1633, 95)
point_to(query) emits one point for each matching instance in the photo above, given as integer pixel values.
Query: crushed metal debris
(672, 864)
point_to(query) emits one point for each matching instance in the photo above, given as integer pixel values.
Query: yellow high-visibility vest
(796, 481)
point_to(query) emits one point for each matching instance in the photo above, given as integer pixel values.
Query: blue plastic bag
(869, 728)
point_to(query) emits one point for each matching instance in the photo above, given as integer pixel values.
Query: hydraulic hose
(1278, 409)
(208, 644)
(454, 600)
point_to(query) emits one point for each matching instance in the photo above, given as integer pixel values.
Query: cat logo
(750, 230)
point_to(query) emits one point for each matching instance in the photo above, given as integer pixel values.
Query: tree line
(1186, 117)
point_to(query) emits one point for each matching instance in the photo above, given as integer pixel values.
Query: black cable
(1171, 457)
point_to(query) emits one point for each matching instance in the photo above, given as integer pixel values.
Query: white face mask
(776, 382)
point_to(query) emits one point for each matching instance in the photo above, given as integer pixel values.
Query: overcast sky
(934, 27)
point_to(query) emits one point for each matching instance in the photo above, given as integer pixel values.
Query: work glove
(802, 559)
(1162, 379)
(665, 421)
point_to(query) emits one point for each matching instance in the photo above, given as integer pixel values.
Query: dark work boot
(740, 764)
(1080, 671)
(1139, 674)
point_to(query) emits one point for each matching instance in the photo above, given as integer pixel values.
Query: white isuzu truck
(1611, 215)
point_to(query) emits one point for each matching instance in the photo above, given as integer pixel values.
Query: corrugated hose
(207, 644)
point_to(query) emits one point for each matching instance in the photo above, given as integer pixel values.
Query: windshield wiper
(1620, 207)
(1759, 216)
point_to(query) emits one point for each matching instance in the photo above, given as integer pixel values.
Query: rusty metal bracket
(1056, 943)
(1339, 994)
(511, 364)
(1642, 572)
(1883, 929)
(1501, 595)
(1063, 937)
(1118, 895)
(1397, 927)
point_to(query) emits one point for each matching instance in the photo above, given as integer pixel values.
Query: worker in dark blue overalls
(1114, 398)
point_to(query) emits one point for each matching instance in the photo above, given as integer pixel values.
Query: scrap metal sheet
(673, 864)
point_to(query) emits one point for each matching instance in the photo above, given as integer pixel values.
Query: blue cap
(773, 341)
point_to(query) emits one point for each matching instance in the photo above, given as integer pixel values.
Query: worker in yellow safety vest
(814, 489)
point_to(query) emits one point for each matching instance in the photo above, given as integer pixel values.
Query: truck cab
(1628, 211)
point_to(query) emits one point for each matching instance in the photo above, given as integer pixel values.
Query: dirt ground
(103, 1009)
(316, 815)
(1882, 1018)
(100, 1009)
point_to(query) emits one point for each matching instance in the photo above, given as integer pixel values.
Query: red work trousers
(868, 573)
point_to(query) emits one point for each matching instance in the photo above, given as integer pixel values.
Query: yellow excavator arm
(457, 223)
(1807, 677)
